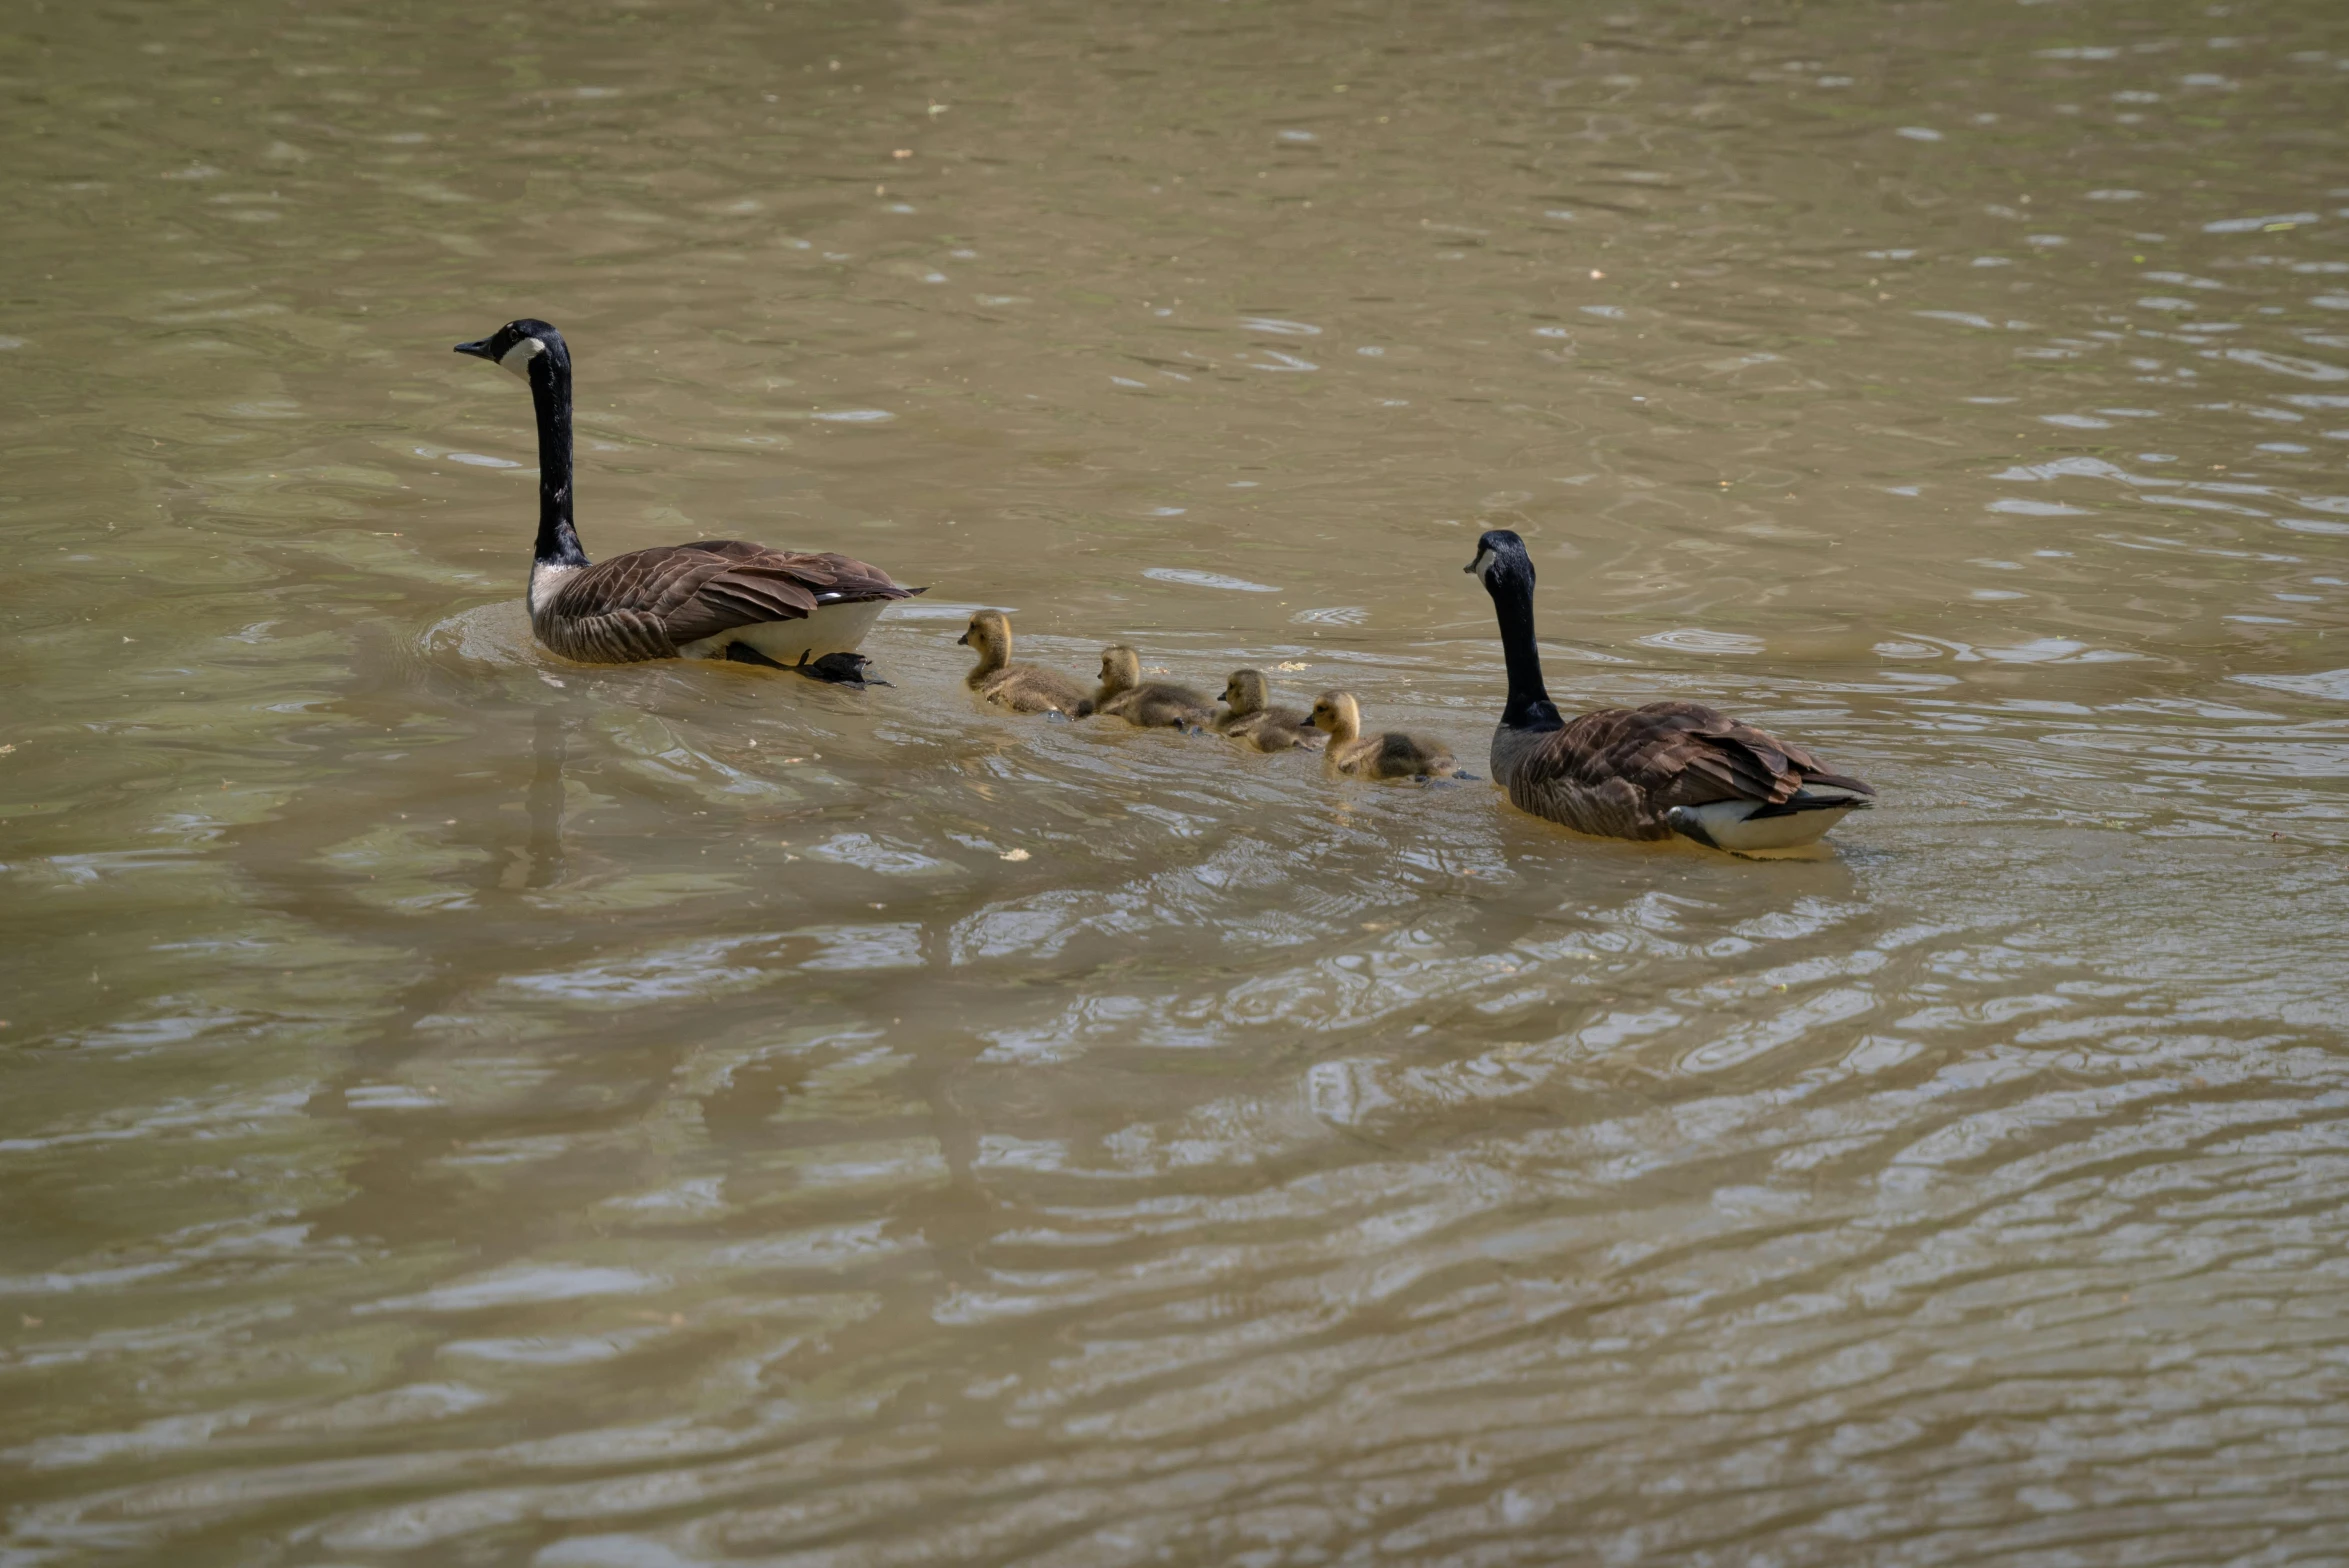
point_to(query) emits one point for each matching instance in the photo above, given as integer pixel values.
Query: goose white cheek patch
(1482, 566)
(518, 358)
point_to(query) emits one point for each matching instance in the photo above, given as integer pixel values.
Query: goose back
(1619, 772)
(689, 599)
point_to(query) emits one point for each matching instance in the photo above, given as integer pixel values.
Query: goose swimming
(1650, 772)
(712, 599)
(1252, 718)
(1151, 704)
(1023, 688)
(1388, 755)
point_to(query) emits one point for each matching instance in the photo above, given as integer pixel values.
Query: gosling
(1023, 688)
(1253, 722)
(1392, 755)
(1157, 705)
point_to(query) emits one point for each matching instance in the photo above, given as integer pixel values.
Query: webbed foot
(837, 669)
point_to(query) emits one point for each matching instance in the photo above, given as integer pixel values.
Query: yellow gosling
(1023, 688)
(1392, 755)
(1252, 720)
(1154, 704)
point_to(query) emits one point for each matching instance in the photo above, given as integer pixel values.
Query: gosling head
(1338, 713)
(1246, 692)
(520, 346)
(990, 633)
(1121, 668)
(1501, 561)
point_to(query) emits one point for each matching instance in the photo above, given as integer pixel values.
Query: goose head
(1337, 713)
(518, 345)
(1246, 692)
(1121, 668)
(989, 633)
(1501, 562)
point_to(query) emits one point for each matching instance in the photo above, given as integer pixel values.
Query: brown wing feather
(1619, 770)
(647, 604)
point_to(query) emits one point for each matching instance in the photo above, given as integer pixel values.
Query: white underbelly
(1732, 825)
(832, 628)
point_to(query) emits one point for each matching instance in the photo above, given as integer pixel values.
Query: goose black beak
(479, 349)
(1470, 568)
(964, 641)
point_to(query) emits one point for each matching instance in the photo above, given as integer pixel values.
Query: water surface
(462, 1108)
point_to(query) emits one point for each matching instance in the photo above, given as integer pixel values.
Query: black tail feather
(1802, 803)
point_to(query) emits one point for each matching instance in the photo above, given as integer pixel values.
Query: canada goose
(1158, 705)
(1645, 773)
(713, 599)
(1263, 727)
(1023, 688)
(1392, 755)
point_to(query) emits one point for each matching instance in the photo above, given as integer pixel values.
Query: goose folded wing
(836, 579)
(1710, 756)
(757, 585)
(748, 594)
(685, 592)
(1726, 760)
(620, 608)
(832, 577)
(1815, 772)
(1673, 754)
(702, 590)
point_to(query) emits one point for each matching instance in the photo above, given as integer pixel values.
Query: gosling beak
(964, 641)
(479, 349)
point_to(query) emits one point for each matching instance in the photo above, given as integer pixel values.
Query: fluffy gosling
(1253, 721)
(1023, 688)
(1392, 755)
(1157, 705)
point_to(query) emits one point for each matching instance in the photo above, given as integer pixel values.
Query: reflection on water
(544, 864)
(463, 1107)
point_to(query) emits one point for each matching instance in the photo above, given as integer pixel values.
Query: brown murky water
(460, 1108)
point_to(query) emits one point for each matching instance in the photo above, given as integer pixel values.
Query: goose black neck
(1529, 701)
(550, 391)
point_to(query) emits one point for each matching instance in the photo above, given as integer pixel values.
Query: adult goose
(712, 599)
(1645, 773)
